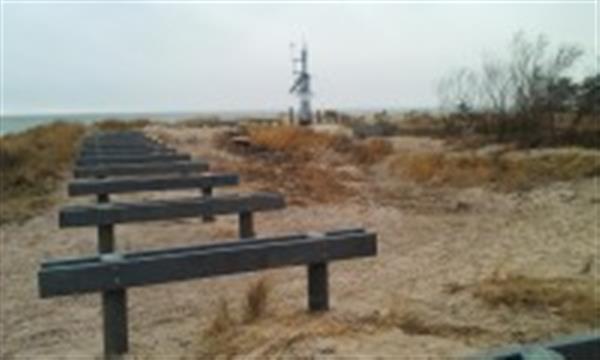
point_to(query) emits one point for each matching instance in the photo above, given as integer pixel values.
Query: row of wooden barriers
(124, 162)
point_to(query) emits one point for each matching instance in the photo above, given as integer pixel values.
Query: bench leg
(318, 287)
(114, 312)
(114, 304)
(246, 225)
(103, 198)
(207, 192)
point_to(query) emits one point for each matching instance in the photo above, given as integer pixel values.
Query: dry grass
(572, 299)
(297, 142)
(257, 297)
(508, 171)
(284, 334)
(31, 164)
(222, 322)
(303, 164)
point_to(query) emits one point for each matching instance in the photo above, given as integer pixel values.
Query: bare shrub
(516, 97)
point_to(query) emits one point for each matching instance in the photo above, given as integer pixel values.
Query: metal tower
(301, 86)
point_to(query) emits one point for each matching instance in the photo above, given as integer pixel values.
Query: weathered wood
(318, 286)
(137, 184)
(200, 262)
(117, 212)
(124, 152)
(171, 251)
(246, 225)
(135, 159)
(140, 169)
(114, 302)
(114, 319)
(121, 146)
(207, 191)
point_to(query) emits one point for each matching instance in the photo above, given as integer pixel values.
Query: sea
(13, 124)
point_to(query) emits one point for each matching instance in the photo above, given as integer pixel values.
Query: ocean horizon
(16, 123)
(13, 124)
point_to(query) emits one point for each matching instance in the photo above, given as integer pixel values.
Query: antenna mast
(301, 86)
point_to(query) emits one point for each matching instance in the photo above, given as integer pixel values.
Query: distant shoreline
(16, 123)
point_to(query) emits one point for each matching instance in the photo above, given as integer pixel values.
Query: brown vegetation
(31, 164)
(256, 300)
(222, 322)
(572, 298)
(504, 170)
(304, 164)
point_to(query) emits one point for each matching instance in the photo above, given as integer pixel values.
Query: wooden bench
(108, 214)
(106, 170)
(111, 273)
(102, 188)
(136, 184)
(114, 273)
(128, 151)
(136, 159)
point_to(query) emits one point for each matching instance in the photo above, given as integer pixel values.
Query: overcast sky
(106, 57)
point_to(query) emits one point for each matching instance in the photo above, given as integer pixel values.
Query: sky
(66, 57)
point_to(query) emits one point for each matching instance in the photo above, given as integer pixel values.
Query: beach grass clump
(505, 171)
(31, 164)
(223, 320)
(573, 299)
(256, 300)
(300, 143)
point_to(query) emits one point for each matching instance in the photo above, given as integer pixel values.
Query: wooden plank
(108, 159)
(119, 152)
(119, 143)
(118, 212)
(232, 258)
(106, 170)
(125, 185)
(318, 286)
(169, 251)
(174, 250)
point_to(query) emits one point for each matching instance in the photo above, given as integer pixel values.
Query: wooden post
(246, 225)
(291, 115)
(114, 302)
(207, 192)
(318, 287)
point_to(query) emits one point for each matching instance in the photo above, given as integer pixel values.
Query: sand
(432, 254)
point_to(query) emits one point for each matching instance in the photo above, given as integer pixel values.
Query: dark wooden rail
(137, 184)
(124, 162)
(115, 213)
(184, 167)
(112, 272)
(136, 159)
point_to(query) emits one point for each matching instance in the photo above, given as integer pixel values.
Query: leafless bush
(519, 96)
